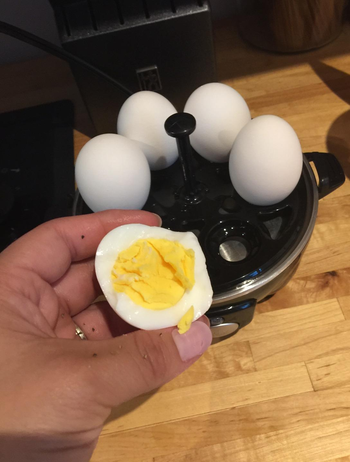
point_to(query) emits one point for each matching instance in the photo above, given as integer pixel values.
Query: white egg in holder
(141, 119)
(266, 160)
(220, 113)
(252, 230)
(112, 173)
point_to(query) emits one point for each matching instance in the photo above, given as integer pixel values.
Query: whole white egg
(199, 296)
(141, 119)
(266, 160)
(112, 172)
(220, 113)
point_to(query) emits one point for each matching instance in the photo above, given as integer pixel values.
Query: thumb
(139, 362)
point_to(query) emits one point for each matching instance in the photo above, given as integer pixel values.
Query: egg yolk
(154, 273)
(186, 321)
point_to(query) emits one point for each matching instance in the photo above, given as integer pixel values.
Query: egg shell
(266, 161)
(200, 296)
(112, 173)
(220, 113)
(141, 119)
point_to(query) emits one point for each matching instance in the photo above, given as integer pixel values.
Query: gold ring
(80, 333)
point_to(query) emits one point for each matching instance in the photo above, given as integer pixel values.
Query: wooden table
(280, 389)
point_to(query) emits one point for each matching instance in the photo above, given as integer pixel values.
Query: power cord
(34, 40)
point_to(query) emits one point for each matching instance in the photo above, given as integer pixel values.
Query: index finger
(49, 249)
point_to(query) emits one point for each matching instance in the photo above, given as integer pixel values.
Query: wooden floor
(280, 389)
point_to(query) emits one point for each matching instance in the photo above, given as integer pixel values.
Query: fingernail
(159, 219)
(194, 342)
(205, 320)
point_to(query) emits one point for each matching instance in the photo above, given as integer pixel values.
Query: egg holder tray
(240, 241)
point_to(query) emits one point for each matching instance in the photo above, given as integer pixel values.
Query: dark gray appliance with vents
(159, 45)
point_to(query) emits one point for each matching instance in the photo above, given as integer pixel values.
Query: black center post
(180, 126)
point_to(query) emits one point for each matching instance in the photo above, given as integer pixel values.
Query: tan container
(292, 25)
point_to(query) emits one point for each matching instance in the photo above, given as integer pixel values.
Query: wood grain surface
(280, 389)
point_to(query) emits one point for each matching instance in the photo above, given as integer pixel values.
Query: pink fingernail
(159, 219)
(194, 342)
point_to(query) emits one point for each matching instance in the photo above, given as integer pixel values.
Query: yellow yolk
(154, 273)
(186, 321)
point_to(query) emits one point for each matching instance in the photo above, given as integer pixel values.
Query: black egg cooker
(251, 251)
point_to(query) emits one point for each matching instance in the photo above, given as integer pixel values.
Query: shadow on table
(338, 136)
(338, 141)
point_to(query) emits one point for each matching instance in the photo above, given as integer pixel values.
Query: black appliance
(36, 167)
(251, 251)
(159, 45)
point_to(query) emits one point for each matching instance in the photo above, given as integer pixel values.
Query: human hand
(56, 390)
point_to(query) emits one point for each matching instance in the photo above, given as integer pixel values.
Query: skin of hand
(57, 390)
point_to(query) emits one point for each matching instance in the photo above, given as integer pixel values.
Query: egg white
(119, 239)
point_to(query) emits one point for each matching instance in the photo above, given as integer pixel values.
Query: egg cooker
(251, 251)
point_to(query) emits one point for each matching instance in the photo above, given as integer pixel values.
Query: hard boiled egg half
(152, 277)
